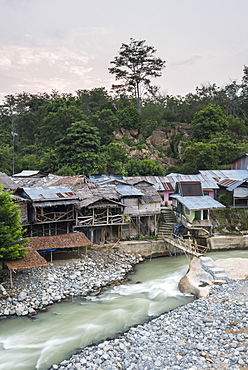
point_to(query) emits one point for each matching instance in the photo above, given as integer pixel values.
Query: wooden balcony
(100, 221)
(42, 216)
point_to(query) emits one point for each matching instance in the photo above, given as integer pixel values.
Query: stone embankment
(33, 292)
(210, 333)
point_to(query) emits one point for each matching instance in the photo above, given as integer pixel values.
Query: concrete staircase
(219, 275)
(167, 220)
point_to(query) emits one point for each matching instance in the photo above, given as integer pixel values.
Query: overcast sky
(68, 44)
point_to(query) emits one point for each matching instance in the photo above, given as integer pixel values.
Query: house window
(198, 215)
(187, 211)
(205, 214)
(205, 192)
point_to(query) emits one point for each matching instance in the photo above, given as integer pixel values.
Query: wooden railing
(54, 216)
(186, 245)
(91, 221)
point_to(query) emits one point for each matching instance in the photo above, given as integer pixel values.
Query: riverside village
(84, 239)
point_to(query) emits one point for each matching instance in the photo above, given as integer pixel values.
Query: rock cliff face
(163, 145)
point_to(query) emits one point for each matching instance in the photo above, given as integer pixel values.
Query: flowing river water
(50, 337)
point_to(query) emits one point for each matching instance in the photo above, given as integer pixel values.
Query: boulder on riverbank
(204, 272)
(197, 281)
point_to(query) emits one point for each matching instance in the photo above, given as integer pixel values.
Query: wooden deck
(187, 246)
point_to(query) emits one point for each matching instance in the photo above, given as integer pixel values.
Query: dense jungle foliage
(93, 131)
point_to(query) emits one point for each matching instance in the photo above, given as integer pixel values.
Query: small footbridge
(166, 233)
(185, 245)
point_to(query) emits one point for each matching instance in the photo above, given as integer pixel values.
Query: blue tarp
(47, 250)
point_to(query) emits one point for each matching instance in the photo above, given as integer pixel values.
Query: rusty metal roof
(168, 186)
(227, 182)
(50, 193)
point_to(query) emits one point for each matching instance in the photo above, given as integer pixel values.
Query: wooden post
(155, 226)
(139, 226)
(11, 278)
(42, 276)
(76, 218)
(51, 257)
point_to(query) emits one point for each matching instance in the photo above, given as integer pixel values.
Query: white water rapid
(50, 337)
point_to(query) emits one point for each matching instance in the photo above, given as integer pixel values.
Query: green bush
(225, 200)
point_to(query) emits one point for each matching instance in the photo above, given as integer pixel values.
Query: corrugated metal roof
(168, 186)
(189, 188)
(58, 203)
(154, 180)
(127, 190)
(207, 182)
(235, 185)
(50, 193)
(225, 174)
(227, 182)
(161, 183)
(28, 173)
(150, 194)
(198, 203)
(105, 179)
(137, 180)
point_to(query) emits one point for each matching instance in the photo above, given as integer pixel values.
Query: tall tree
(113, 158)
(208, 122)
(136, 64)
(11, 232)
(143, 167)
(77, 151)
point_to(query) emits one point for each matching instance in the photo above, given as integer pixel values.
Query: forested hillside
(93, 131)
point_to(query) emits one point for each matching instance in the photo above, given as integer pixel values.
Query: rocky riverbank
(34, 290)
(210, 333)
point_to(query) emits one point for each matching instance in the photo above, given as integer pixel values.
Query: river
(50, 337)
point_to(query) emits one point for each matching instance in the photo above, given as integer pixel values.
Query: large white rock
(196, 281)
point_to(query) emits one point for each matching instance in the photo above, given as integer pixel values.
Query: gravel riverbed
(34, 290)
(210, 333)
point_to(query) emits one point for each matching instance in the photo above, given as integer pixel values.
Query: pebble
(180, 339)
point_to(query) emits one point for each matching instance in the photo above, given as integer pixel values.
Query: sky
(67, 45)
